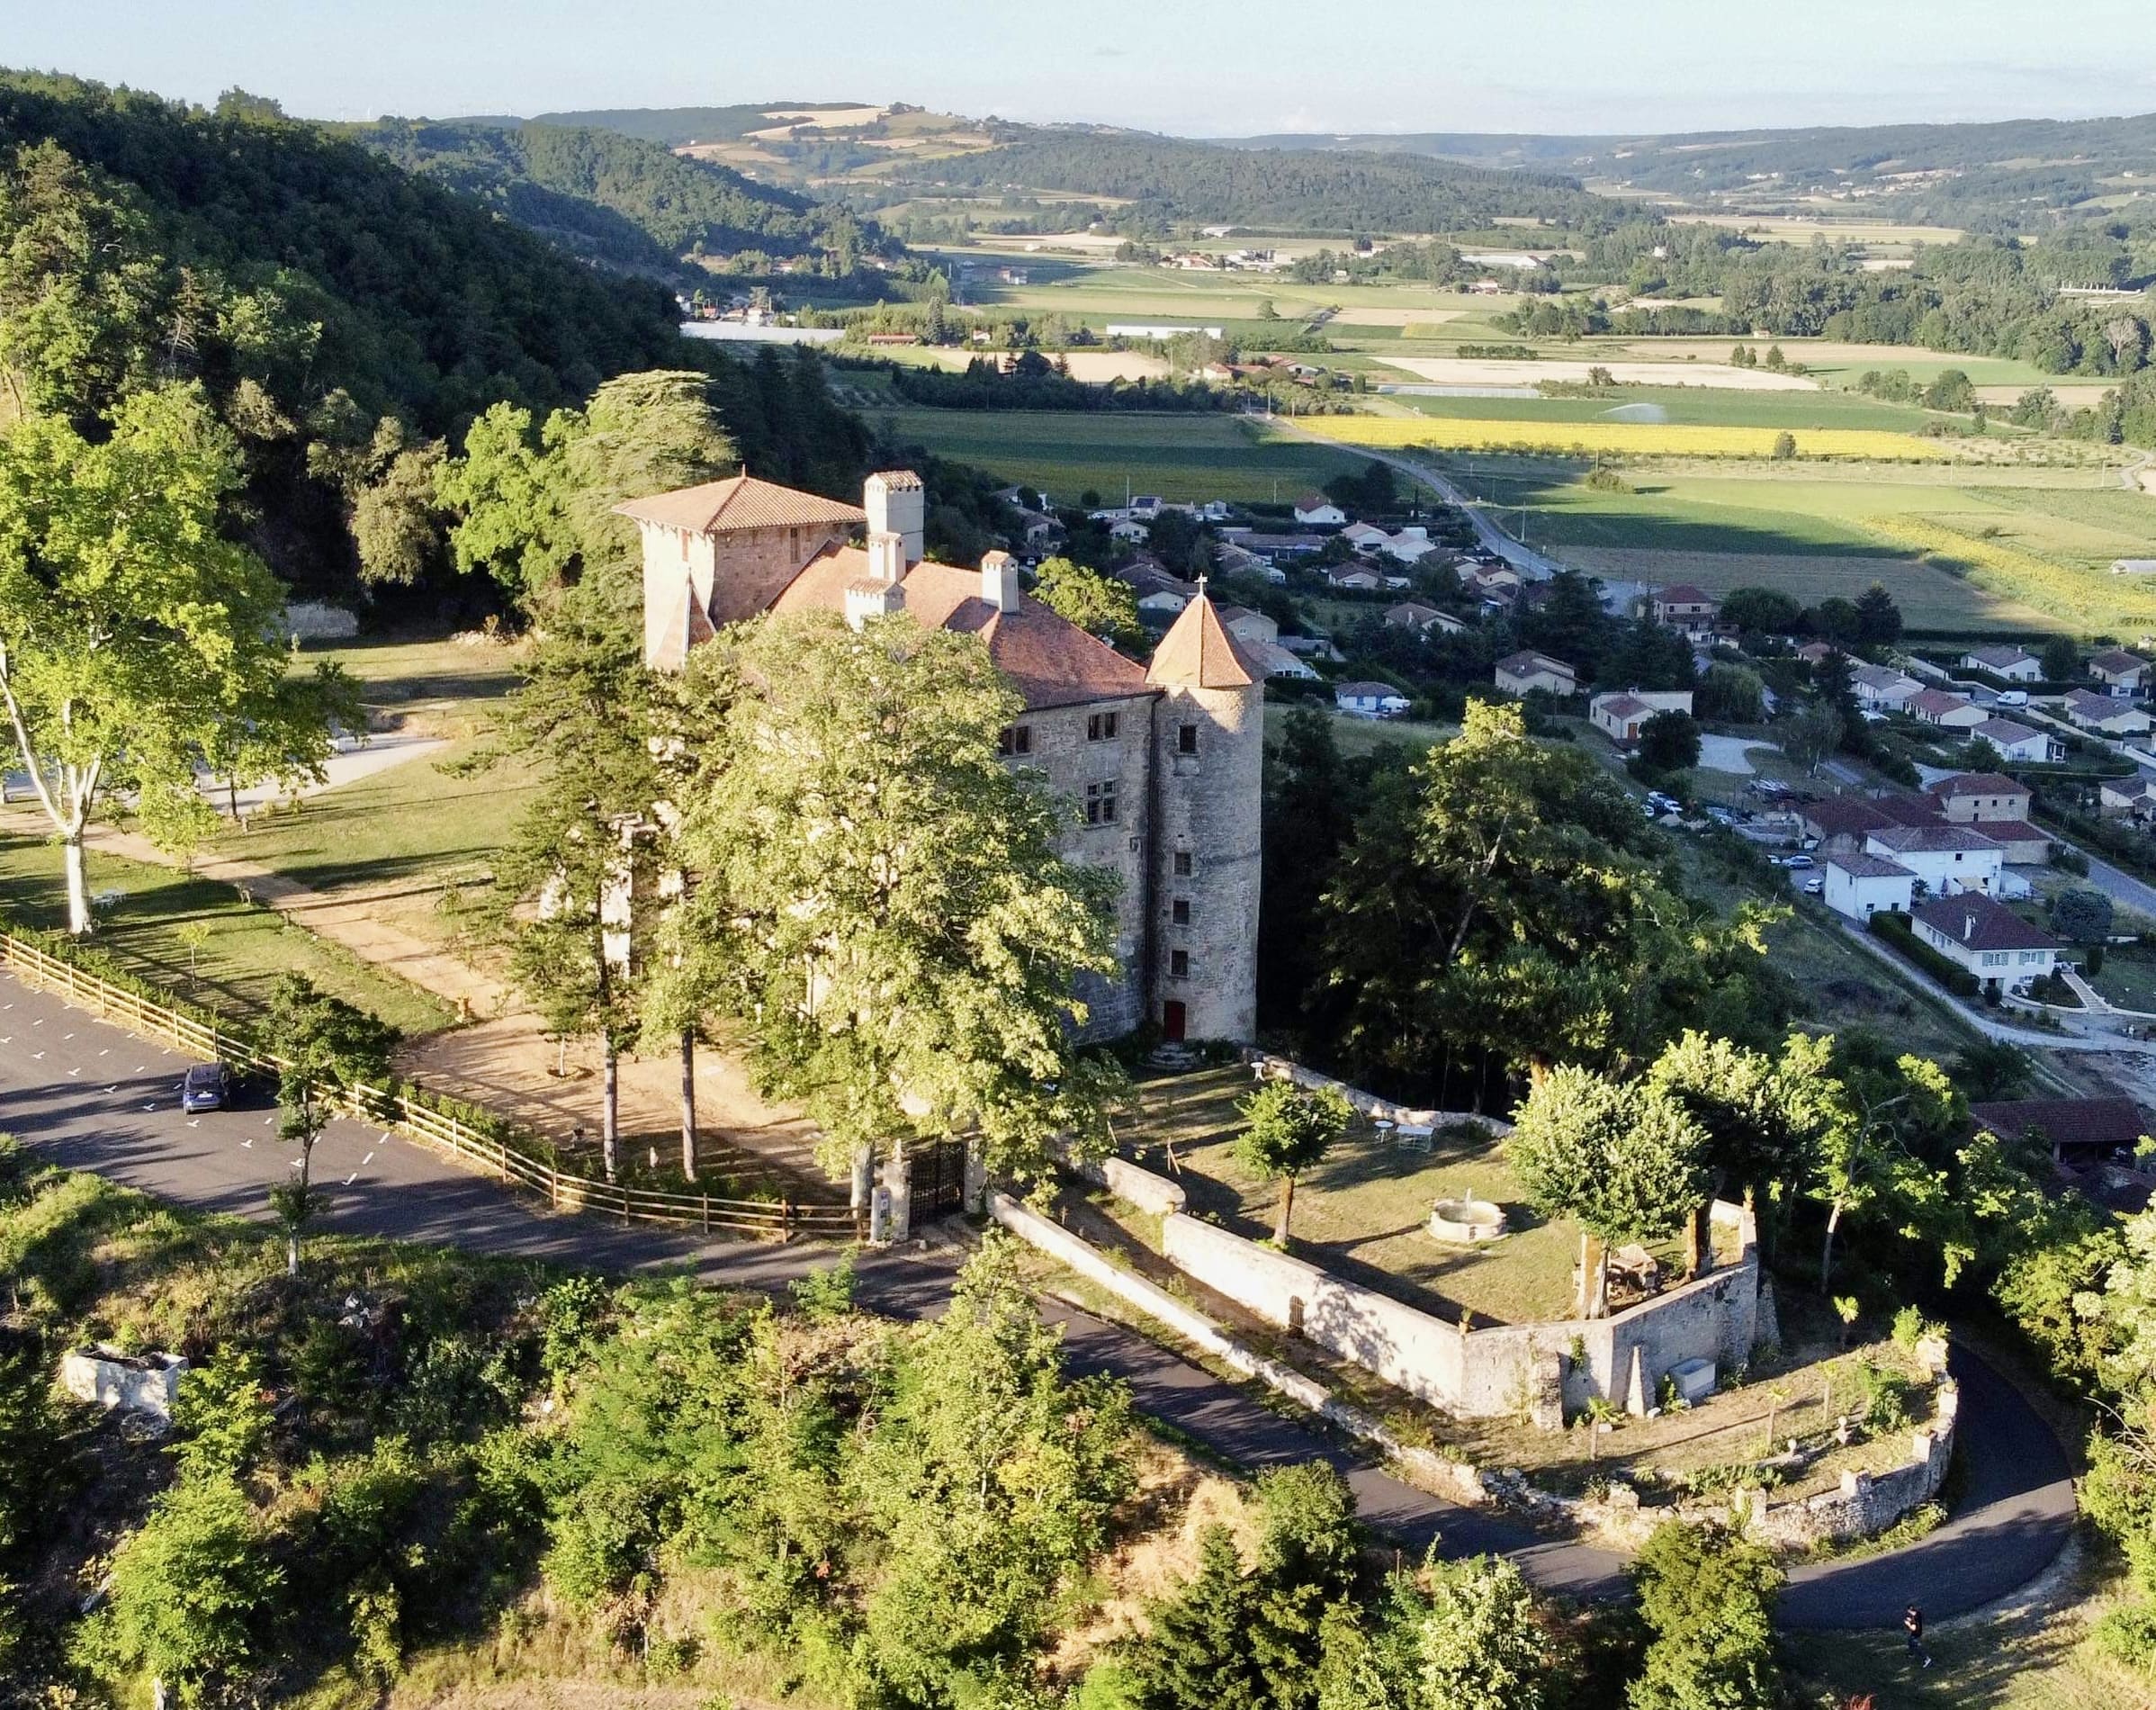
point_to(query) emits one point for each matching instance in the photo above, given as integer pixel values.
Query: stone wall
(1539, 1370)
(144, 1384)
(1271, 1066)
(1141, 1188)
(1209, 810)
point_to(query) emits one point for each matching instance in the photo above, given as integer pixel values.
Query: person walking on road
(1912, 1623)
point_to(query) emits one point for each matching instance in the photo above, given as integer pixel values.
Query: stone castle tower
(1209, 741)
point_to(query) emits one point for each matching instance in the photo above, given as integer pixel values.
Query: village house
(2121, 673)
(2127, 799)
(2018, 742)
(2014, 664)
(1999, 808)
(1883, 687)
(1357, 575)
(1163, 761)
(1524, 673)
(1949, 712)
(1946, 859)
(1622, 714)
(1412, 614)
(1817, 653)
(2105, 714)
(1859, 886)
(1681, 606)
(1987, 938)
(1370, 700)
(1247, 625)
(1276, 661)
(1314, 510)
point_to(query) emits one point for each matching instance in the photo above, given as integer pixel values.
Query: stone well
(1466, 1221)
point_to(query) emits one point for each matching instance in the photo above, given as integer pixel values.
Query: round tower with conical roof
(1209, 738)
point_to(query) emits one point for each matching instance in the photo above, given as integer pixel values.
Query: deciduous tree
(1286, 1132)
(325, 1049)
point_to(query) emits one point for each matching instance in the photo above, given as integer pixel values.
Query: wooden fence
(513, 1166)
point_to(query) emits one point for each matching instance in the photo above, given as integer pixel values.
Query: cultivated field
(1465, 371)
(1178, 456)
(1630, 439)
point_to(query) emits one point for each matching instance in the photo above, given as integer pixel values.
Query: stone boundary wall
(1271, 1066)
(1141, 1188)
(1866, 1503)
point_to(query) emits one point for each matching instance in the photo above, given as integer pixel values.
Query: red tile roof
(2065, 1122)
(1978, 784)
(1976, 922)
(1201, 651)
(740, 501)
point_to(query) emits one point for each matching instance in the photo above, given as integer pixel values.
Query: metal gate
(938, 1178)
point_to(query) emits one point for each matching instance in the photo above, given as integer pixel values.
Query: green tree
(1669, 742)
(1100, 605)
(1812, 735)
(881, 901)
(1708, 1596)
(1286, 1132)
(1878, 618)
(2080, 915)
(326, 1050)
(1785, 446)
(1730, 694)
(1952, 390)
(133, 637)
(2061, 659)
(1621, 1159)
(1885, 1118)
(1763, 611)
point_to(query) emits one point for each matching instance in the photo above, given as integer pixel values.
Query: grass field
(1177, 457)
(1637, 439)
(244, 947)
(1699, 406)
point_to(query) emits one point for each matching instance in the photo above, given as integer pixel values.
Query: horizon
(1643, 74)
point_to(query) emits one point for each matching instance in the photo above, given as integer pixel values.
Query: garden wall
(1271, 1066)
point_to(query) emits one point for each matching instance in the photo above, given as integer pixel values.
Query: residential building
(1276, 661)
(2015, 664)
(1883, 687)
(1946, 859)
(2127, 799)
(1974, 798)
(1987, 938)
(2018, 741)
(1683, 607)
(1817, 653)
(1622, 713)
(1357, 575)
(1412, 614)
(1950, 712)
(1860, 886)
(1524, 673)
(1844, 822)
(1370, 700)
(1314, 510)
(1247, 625)
(2105, 714)
(2120, 672)
(1166, 758)
(2077, 1130)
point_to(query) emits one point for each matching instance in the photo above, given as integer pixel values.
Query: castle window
(1100, 804)
(1178, 965)
(1014, 739)
(1186, 739)
(1101, 727)
(1182, 863)
(1178, 911)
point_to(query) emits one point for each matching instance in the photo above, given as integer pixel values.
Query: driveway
(1731, 754)
(92, 1097)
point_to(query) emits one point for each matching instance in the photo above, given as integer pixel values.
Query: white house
(1370, 700)
(1883, 687)
(1412, 614)
(1950, 712)
(2105, 714)
(2018, 741)
(1987, 938)
(1278, 661)
(2120, 672)
(1859, 886)
(1355, 575)
(1130, 528)
(2015, 664)
(1314, 510)
(1523, 673)
(1946, 859)
(1622, 715)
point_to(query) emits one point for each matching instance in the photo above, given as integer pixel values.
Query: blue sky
(1196, 67)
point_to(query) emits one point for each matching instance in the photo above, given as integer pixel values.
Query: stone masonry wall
(1210, 808)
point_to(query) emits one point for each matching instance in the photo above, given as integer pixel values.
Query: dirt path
(502, 1057)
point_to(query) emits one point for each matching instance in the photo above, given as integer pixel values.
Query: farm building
(1859, 886)
(2015, 664)
(1987, 938)
(1370, 700)
(1524, 673)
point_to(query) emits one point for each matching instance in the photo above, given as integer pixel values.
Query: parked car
(1814, 887)
(2013, 697)
(207, 1087)
(1795, 861)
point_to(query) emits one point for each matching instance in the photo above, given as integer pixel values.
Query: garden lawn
(413, 841)
(430, 687)
(1181, 457)
(245, 948)
(1364, 1212)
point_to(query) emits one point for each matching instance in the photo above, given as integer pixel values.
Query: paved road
(95, 1097)
(2122, 887)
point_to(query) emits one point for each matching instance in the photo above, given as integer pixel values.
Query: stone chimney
(871, 596)
(999, 581)
(897, 505)
(888, 559)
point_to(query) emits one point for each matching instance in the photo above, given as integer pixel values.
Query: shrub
(1896, 930)
(1887, 1399)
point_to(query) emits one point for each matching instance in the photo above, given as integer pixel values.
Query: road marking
(366, 1160)
(297, 1162)
(196, 1123)
(114, 1088)
(149, 1107)
(352, 1178)
(73, 1072)
(246, 1146)
(37, 1056)
(67, 1036)
(106, 1052)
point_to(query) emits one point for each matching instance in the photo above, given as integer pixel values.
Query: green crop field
(1699, 406)
(1178, 456)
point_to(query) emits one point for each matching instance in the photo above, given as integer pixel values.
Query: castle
(1164, 761)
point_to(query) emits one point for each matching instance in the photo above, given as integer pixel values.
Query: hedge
(1896, 930)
